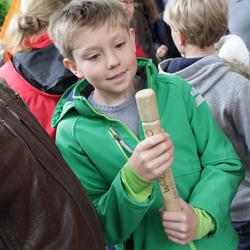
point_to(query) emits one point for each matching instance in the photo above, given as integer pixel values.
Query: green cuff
(205, 223)
(135, 186)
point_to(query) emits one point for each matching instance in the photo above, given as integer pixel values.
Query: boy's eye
(93, 57)
(120, 45)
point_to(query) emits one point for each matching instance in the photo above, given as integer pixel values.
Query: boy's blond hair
(32, 19)
(202, 22)
(84, 13)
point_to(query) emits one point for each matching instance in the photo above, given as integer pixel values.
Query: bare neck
(192, 51)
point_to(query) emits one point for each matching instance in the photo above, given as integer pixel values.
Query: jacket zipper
(120, 143)
(8, 128)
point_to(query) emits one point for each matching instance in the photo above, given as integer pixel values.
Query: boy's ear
(132, 36)
(72, 67)
(182, 38)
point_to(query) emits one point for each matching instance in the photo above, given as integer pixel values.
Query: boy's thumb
(184, 205)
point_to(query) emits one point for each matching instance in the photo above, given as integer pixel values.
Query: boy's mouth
(117, 76)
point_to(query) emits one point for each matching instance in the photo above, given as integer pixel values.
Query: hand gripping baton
(149, 115)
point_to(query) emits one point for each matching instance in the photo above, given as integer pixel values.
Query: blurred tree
(4, 7)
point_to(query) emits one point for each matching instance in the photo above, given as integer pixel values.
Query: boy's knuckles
(164, 146)
(168, 155)
(184, 229)
(144, 159)
(182, 237)
(184, 217)
(170, 160)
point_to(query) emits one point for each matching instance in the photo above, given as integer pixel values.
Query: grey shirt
(125, 112)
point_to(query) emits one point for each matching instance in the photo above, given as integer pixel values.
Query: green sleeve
(135, 187)
(221, 167)
(205, 223)
(112, 204)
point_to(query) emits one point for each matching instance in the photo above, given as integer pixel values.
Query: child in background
(152, 33)
(196, 27)
(100, 136)
(129, 8)
(37, 72)
(153, 37)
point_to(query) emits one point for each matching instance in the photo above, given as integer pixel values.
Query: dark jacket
(151, 34)
(42, 204)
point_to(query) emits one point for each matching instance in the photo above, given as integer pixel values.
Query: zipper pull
(10, 110)
(123, 144)
(14, 113)
(11, 130)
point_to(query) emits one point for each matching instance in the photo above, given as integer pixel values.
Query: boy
(98, 134)
(195, 33)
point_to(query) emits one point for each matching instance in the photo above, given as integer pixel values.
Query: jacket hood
(75, 98)
(210, 67)
(42, 66)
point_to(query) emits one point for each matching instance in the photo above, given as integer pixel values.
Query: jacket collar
(74, 96)
(37, 42)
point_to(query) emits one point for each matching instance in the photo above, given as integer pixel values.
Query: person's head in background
(145, 15)
(97, 43)
(129, 7)
(148, 7)
(196, 25)
(32, 19)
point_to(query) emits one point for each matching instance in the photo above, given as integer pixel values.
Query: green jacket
(206, 168)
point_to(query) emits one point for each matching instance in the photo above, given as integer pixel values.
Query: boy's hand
(180, 227)
(152, 156)
(162, 51)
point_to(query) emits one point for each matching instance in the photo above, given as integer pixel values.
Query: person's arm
(222, 169)
(221, 174)
(137, 188)
(187, 225)
(205, 223)
(112, 203)
(241, 113)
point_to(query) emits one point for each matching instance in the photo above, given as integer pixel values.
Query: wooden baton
(149, 115)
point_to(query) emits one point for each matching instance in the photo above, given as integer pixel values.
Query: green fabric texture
(205, 223)
(139, 190)
(135, 186)
(206, 168)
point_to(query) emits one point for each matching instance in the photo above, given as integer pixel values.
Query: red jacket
(41, 104)
(40, 101)
(139, 52)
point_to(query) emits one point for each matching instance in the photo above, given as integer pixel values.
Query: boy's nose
(112, 60)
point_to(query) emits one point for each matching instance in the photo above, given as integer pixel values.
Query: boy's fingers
(173, 216)
(164, 149)
(175, 227)
(153, 141)
(178, 241)
(177, 235)
(184, 205)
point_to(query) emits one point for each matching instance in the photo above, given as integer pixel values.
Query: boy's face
(105, 56)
